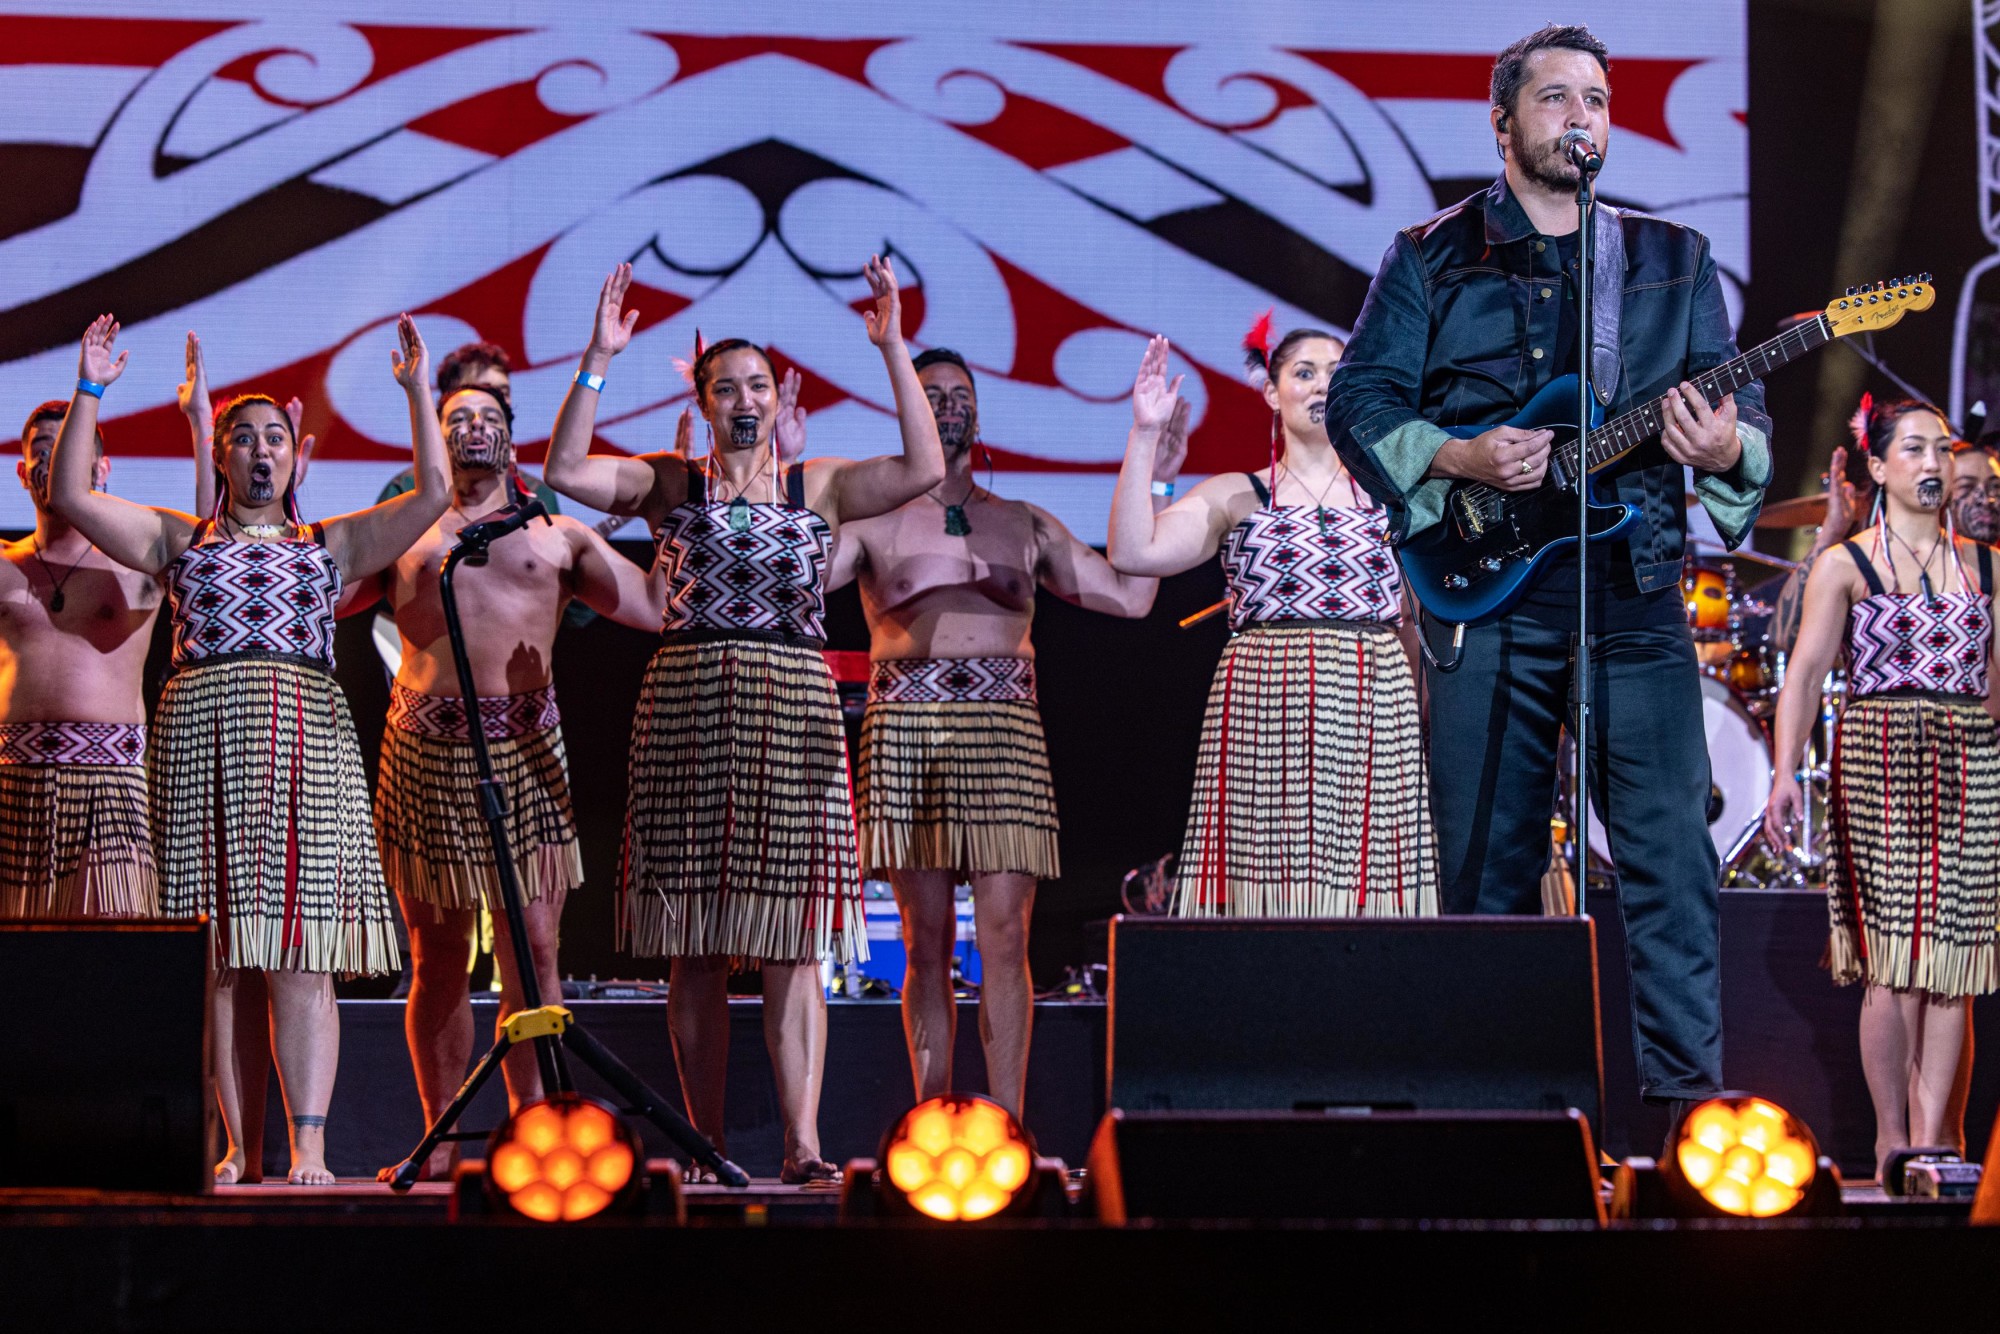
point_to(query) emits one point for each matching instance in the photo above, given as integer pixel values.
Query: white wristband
(1163, 489)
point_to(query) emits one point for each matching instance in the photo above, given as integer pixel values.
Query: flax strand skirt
(435, 848)
(261, 819)
(75, 841)
(1913, 873)
(1311, 797)
(739, 840)
(958, 786)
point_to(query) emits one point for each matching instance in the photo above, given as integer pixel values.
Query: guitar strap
(1607, 299)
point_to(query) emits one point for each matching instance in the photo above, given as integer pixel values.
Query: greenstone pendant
(739, 515)
(954, 522)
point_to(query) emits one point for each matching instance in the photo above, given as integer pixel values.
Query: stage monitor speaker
(104, 1077)
(1424, 1014)
(1307, 1165)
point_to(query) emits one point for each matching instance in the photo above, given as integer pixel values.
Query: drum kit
(1729, 611)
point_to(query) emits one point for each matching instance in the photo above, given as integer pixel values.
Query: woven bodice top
(1302, 563)
(267, 596)
(734, 566)
(1939, 644)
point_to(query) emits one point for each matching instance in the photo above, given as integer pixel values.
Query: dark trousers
(1494, 723)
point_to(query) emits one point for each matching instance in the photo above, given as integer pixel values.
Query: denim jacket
(1460, 327)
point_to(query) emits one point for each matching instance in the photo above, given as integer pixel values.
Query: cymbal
(1798, 512)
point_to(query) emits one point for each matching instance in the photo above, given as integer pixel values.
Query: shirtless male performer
(75, 838)
(953, 782)
(435, 849)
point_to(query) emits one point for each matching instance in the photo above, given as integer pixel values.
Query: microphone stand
(1586, 215)
(553, 1029)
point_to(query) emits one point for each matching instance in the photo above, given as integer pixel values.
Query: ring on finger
(1526, 467)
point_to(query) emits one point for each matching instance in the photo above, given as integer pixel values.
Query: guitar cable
(1457, 644)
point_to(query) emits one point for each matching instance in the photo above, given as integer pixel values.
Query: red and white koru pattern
(952, 681)
(1056, 182)
(253, 597)
(444, 716)
(769, 577)
(72, 743)
(1295, 562)
(1906, 641)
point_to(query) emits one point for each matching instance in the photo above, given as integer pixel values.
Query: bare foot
(309, 1172)
(234, 1171)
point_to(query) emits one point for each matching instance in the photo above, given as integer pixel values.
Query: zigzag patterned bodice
(1298, 563)
(1906, 641)
(253, 597)
(768, 578)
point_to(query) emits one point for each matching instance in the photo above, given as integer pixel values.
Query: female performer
(1913, 871)
(260, 808)
(1311, 797)
(739, 842)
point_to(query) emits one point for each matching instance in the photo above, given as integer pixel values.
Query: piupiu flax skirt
(75, 837)
(436, 850)
(261, 819)
(1913, 871)
(1311, 798)
(739, 839)
(954, 770)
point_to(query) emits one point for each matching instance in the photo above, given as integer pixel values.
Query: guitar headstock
(1868, 309)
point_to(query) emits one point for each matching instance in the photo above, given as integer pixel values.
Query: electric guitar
(1472, 565)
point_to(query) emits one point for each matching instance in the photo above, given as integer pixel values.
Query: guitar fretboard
(1627, 431)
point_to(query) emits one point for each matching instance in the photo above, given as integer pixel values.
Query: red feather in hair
(1257, 345)
(1857, 425)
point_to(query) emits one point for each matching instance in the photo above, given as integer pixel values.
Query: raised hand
(684, 433)
(193, 391)
(96, 362)
(1841, 502)
(1171, 453)
(295, 410)
(1153, 398)
(411, 362)
(613, 327)
(885, 321)
(791, 421)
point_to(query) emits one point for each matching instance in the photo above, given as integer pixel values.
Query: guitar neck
(1626, 432)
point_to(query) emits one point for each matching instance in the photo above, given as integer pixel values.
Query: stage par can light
(562, 1160)
(958, 1158)
(1736, 1156)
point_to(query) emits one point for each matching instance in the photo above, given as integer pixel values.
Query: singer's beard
(1549, 167)
(478, 451)
(1930, 493)
(743, 431)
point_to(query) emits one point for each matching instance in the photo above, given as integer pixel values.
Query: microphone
(515, 516)
(1576, 146)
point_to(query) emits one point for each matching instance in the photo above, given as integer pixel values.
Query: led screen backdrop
(1056, 180)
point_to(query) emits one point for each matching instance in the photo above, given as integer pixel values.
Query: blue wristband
(589, 381)
(91, 387)
(1163, 489)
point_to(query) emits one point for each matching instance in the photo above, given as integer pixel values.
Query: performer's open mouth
(743, 430)
(262, 488)
(1930, 493)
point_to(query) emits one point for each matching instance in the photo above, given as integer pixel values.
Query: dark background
(1122, 700)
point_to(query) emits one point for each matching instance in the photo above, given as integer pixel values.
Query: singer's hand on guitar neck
(1698, 435)
(1507, 457)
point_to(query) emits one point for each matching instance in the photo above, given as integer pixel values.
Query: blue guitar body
(1473, 565)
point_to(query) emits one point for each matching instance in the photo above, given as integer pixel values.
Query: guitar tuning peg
(1848, 292)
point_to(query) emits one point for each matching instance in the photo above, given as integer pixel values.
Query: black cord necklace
(56, 602)
(955, 524)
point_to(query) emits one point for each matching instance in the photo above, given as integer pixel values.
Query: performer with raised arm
(1310, 792)
(260, 804)
(436, 851)
(1913, 869)
(75, 838)
(739, 842)
(1472, 313)
(953, 781)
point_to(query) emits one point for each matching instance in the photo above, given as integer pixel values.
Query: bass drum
(1739, 763)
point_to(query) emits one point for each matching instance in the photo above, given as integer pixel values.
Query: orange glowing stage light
(562, 1159)
(958, 1158)
(1733, 1156)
